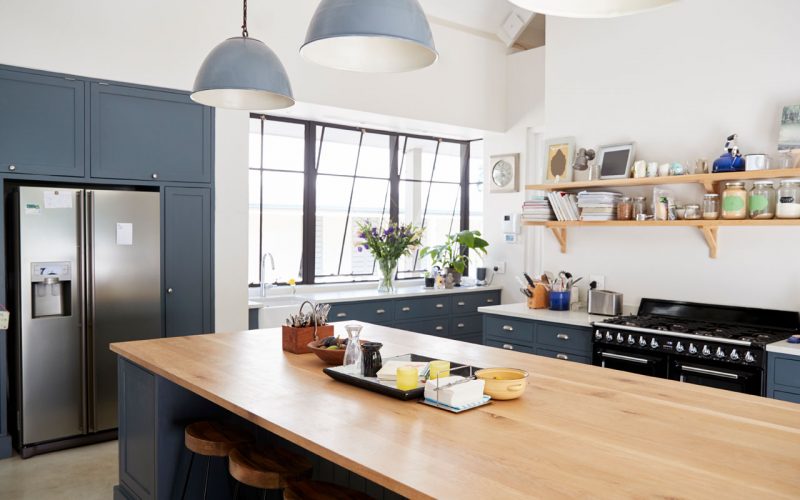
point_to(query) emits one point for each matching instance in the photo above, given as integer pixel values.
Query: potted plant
(387, 246)
(453, 255)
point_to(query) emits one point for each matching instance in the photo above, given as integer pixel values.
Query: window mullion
(261, 206)
(308, 259)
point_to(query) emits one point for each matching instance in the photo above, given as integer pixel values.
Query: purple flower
(362, 234)
(366, 246)
(360, 249)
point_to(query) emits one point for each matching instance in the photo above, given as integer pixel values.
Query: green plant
(449, 254)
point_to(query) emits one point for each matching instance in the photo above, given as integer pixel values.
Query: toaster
(605, 302)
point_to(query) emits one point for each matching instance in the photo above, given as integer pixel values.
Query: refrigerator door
(50, 345)
(124, 287)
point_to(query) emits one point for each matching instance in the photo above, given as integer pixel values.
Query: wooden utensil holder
(540, 299)
(295, 340)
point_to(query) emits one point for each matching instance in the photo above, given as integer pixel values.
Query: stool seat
(213, 439)
(267, 467)
(303, 490)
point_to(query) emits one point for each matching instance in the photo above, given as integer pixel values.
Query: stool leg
(205, 482)
(264, 495)
(188, 473)
(236, 491)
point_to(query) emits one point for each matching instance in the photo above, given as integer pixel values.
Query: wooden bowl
(333, 357)
(503, 383)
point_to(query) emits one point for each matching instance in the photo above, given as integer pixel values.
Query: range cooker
(706, 344)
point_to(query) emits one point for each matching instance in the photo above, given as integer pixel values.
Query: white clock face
(502, 173)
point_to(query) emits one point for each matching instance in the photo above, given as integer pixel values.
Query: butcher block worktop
(578, 430)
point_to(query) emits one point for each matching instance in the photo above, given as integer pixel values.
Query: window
(311, 183)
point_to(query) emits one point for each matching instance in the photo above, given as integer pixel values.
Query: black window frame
(310, 173)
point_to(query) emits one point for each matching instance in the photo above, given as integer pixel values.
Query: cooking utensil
(503, 383)
(528, 278)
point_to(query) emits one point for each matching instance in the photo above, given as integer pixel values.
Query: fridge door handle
(80, 273)
(90, 302)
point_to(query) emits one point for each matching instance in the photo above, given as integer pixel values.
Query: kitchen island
(578, 431)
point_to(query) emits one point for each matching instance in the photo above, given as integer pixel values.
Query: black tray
(388, 387)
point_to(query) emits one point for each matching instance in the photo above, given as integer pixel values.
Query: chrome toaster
(605, 302)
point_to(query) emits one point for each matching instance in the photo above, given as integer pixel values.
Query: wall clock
(504, 174)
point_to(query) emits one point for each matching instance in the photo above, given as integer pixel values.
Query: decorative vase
(388, 269)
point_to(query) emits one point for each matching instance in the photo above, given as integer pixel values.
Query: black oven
(739, 378)
(630, 360)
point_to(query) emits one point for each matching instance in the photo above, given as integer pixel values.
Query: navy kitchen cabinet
(783, 377)
(149, 135)
(42, 124)
(188, 261)
(380, 312)
(553, 340)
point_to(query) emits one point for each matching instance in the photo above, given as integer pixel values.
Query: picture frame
(504, 173)
(789, 132)
(559, 155)
(615, 160)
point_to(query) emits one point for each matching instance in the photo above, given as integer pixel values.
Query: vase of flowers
(387, 245)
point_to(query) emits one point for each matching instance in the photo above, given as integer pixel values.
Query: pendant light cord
(244, 19)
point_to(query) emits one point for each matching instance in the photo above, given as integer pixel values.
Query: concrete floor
(85, 473)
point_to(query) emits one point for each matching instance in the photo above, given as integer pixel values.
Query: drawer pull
(154, 176)
(439, 306)
(380, 311)
(12, 167)
(405, 309)
(341, 315)
(490, 301)
(460, 325)
(562, 356)
(439, 328)
(508, 328)
(508, 346)
(461, 303)
(562, 336)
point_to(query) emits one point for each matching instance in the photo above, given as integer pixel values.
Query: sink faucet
(264, 285)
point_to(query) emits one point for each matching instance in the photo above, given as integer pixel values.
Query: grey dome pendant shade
(243, 73)
(373, 36)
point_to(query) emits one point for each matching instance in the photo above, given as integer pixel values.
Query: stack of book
(598, 206)
(564, 204)
(537, 209)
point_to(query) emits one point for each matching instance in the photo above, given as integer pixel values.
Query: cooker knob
(679, 347)
(609, 337)
(692, 348)
(706, 351)
(720, 353)
(748, 357)
(620, 338)
(734, 355)
(642, 341)
(654, 343)
(598, 335)
(631, 340)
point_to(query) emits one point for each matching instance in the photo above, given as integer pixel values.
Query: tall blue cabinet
(71, 130)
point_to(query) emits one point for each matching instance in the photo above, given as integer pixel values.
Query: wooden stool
(266, 467)
(210, 439)
(303, 490)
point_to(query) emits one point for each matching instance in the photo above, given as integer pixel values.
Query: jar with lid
(625, 208)
(788, 206)
(692, 212)
(711, 206)
(761, 201)
(734, 201)
(639, 204)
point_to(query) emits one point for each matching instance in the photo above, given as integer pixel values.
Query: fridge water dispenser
(51, 284)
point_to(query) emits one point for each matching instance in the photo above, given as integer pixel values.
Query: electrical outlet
(600, 279)
(499, 267)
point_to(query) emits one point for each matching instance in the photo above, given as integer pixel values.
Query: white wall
(163, 43)
(677, 81)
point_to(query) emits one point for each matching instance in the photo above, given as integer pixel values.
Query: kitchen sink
(274, 310)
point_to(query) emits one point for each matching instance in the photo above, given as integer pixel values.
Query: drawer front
(472, 338)
(786, 370)
(506, 329)
(372, 312)
(422, 308)
(472, 323)
(566, 356)
(439, 327)
(564, 338)
(468, 303)
(508, 346)
(787, 396)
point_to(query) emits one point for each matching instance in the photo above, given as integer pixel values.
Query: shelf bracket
(561, 235)
(710, 186)
(711, 234)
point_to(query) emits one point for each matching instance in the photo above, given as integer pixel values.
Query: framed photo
(559, 156)
(615, 161)
(504, 174)
(789, 135)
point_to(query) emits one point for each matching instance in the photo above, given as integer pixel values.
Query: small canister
(734, 201)
(711, 206)
(692, 212)
(639, 204)
(761, 201)
(625, 208)
(788, 206)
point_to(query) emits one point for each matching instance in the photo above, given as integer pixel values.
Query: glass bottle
(761, 201)
(711, 206)
(734, 201)
(352, 355)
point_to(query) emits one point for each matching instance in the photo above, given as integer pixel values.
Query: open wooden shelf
(708, 181)
(709, 228)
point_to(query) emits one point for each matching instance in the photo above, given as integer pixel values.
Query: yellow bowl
(503, 383)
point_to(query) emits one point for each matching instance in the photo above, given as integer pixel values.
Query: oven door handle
(705, 371)
(632, 359)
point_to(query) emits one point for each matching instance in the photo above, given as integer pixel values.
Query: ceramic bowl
(503, 383)
(333, 357)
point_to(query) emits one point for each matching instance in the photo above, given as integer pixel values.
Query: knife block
(540, 299)
(296, 340)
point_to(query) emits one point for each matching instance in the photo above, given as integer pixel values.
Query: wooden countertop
(579, 431)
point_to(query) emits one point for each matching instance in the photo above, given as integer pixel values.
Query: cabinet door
(144, 134)
(41, 124)
(187, 261)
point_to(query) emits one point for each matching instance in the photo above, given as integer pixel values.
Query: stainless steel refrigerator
(86, 273)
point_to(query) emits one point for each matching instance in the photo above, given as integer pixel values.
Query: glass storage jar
(625, 208)
(692, 212)
(711, 206)
(734, 201)
(761, 202)
(788, 206)
(639, 204)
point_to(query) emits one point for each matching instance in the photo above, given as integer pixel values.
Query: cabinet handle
(439, 306)
(170, 290)
(490, 301)
(562, 356)
(439, 328)
(461, 303)
(405, 309)
(508, 328)
(460, 325)
(154, 176)
(380, 311)
(562, 336)
(12, 167)
(508, 346)
(341, 315)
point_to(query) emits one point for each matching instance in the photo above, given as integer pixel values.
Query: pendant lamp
(590, 8)
(243, 73)
(371, 36)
